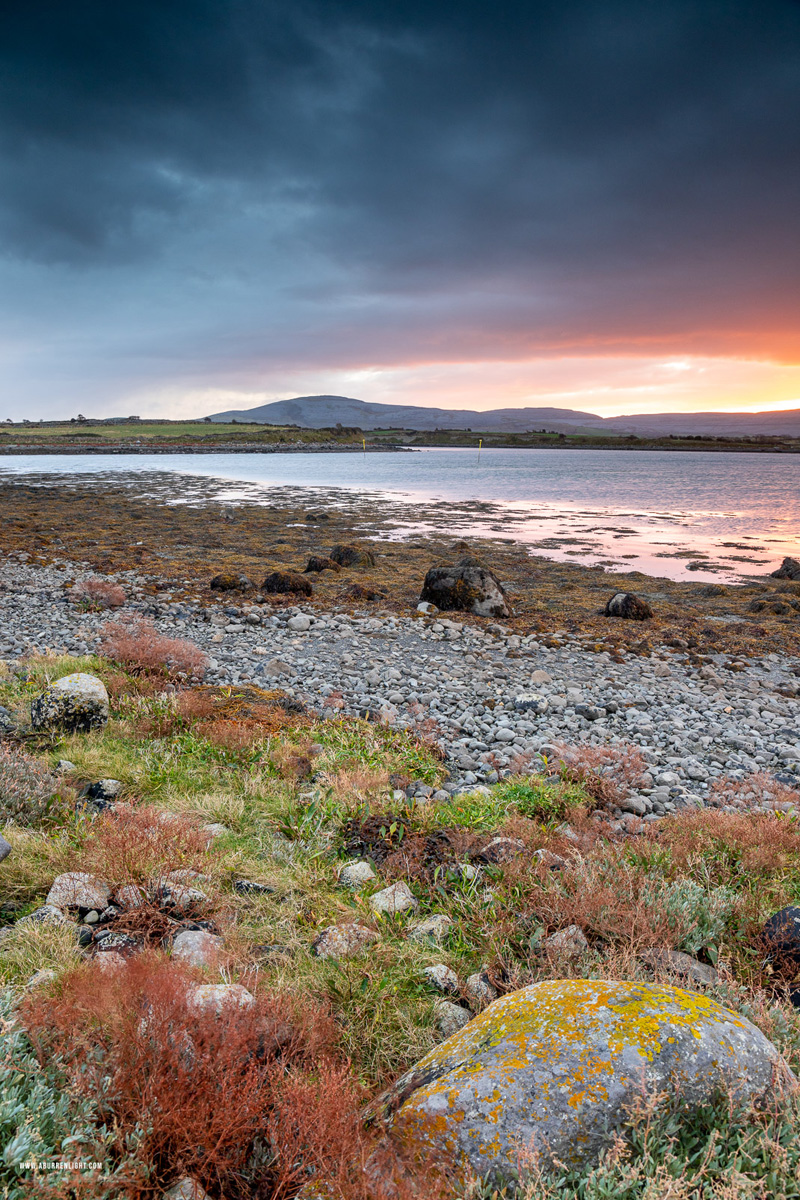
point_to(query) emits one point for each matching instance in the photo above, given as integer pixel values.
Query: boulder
(678, 963)
(397, 898)
(318, 564)
(197, 947)
(629, 606)
(76, 702)
(352, 556)
(343, 941)
(228, 581)
(465, 587)
(782, 936)
(214, 997)
(77, 889)
(285, 582)
(555, 1068)
(789, 569)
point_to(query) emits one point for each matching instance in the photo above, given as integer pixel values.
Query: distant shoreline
(18, 449)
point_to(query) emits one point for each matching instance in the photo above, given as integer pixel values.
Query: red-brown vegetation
(253, 1102)
(606, 773)
(138, 646)
(99, 593)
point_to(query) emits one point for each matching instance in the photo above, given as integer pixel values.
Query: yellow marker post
(364, 444)
(480, 443)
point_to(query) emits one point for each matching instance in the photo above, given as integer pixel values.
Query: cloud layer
(226, 196)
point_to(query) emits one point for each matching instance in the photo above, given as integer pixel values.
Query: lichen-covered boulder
(465, 587)
(555, 1067)
(76, 702)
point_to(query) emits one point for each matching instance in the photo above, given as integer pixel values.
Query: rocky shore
(494, 700)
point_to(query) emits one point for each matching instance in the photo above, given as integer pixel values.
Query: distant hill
(320, 412)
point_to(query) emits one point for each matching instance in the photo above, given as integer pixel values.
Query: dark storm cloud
(561, 172)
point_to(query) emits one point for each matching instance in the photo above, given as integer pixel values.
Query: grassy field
(293, 798)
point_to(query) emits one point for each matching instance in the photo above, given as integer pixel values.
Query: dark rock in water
(317, 563)
(357, 591)
(280, 582)
(629, 606)
(227, 581)
(465, 587)
(352, 556)
(782, 936)
(789, 569)
(317, 515)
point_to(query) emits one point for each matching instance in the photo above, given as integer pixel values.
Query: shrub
(99, 593)
(606, 773)
(252, 1101)
(26, 787)
(137, 645)
(755, 789)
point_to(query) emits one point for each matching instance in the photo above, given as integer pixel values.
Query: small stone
(65, 767)
(48, 914)
(299, 624)
(343, 941)
(248, 887)
(502, 850)
(540, 677)
(633, 804)
(92, 917)
(5, 848)
(215, 997)
(76, 889)
(40, 979)
(129, 896)
(215, 830)
(186, 1189)
(397, 898)
(196, 947)
(532, 702)
(431, 929)
(570, 942)
(782, 936)
(356, 875)
(109, 960)
(427, 608)
(450, 1017)
(442, 977)
(104, 792)
(479, 991)
(678, 963)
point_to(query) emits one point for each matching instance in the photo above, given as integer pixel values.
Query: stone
(248, 887)
(678, 963)
(48, 914)
(343, 941)
(633, 804)
(629, 606)
(228, 581)
(40, 979)
(214, 997)
(103, 793)
(782, 936)
(570, 942)
(450, 1017)
(109, 960)
(5, 848)
(215, 830)
(397, 898)
(349, 555)
(186, 1189)
(426, 608)
(129, 896)
(501, 850)
(531, 702)
(356, 875)
(540, 677)
(299, 624)
(555, 1068)
(284, 582)
(590, 712)
(789, 569)
(76, 889)
(465, 587)
(74, 703)
(65, 767)
(7, 722)
(432, 929)
(479, 991)
(197, 947)
(317, 564)
(442, 977)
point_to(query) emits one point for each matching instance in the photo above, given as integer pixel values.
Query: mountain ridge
(320, 412)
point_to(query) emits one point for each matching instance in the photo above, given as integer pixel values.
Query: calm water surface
(676, 514)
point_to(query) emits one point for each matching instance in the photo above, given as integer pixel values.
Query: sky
(210, 204)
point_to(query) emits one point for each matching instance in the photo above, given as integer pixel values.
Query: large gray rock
(789, 569)
(5, 848)
(343, 941)
(76, 702)
(197, 947)
(465, 587)
(554, 1068)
